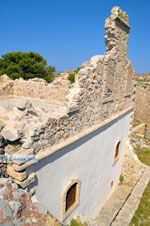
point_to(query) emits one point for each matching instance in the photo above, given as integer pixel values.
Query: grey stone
(31, 111)
(10, 133)
(2, 141)
(14, 186)
(5, 180)
(24, 104)
(28, 181)
(73, 108)
(14, 205)
(3, 203)
(32, 191)
(1, 151)
(28, 221)
(7, 212)
(3, 191)
(34, 199)
(19, 223)
(42, 209)
(18, 193)
(8, 223)
(28, 144)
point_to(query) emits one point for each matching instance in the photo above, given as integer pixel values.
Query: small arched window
(117, 150)
(71, 197)
(116, 153)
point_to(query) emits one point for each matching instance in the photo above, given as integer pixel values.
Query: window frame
(66, 212)
(116, 149)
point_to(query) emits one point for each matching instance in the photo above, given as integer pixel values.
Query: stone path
(121, 206)
(127, 212)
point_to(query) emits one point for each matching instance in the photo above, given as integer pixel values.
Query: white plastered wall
(89, 159)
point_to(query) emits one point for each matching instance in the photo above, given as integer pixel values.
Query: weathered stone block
(18, 193)
(27, 182)
(3, 191)
(20, 176)
(10, 133)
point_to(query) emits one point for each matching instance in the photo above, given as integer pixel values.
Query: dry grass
(142, 214)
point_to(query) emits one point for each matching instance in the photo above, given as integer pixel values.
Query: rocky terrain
(19, 207)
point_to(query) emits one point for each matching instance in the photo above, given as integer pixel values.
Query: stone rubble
(17, 208)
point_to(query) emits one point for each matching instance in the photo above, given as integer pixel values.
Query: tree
(25, 65)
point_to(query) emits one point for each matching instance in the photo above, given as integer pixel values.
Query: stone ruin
(38, 118)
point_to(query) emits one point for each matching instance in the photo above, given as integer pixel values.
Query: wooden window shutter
(71, 196)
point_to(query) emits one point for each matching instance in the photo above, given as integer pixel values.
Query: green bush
(25, 65)
(121, 178)
(74, 223)
(49, 78)
(136, 122)
(77, 70)
(71, 78)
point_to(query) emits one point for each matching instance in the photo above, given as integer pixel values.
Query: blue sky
(69, 32)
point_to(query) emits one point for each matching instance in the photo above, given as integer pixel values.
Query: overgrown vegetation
(49, 78)
(136, 122)
(77, 70)
(142, 214)
(16, 148)
(121, 178)
(136, 137)
(71, 78)
(26, 65)
(74, 223)
(146, 85)
(143, 80)
(143, 154)
(143, 77)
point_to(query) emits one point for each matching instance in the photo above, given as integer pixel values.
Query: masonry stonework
(142, 103)
(40, 119)
(34, 88)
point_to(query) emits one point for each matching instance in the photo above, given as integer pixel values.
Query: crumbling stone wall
(142, 103)
(35, 88)
(103, 88)
(104, 84)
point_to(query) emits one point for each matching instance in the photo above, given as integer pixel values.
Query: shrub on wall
(121, 178)
(25, 65)
(71, 78)
(77, 70)
(74, 223)
(49, 78)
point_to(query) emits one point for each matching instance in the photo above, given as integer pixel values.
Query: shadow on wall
(57, 155)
